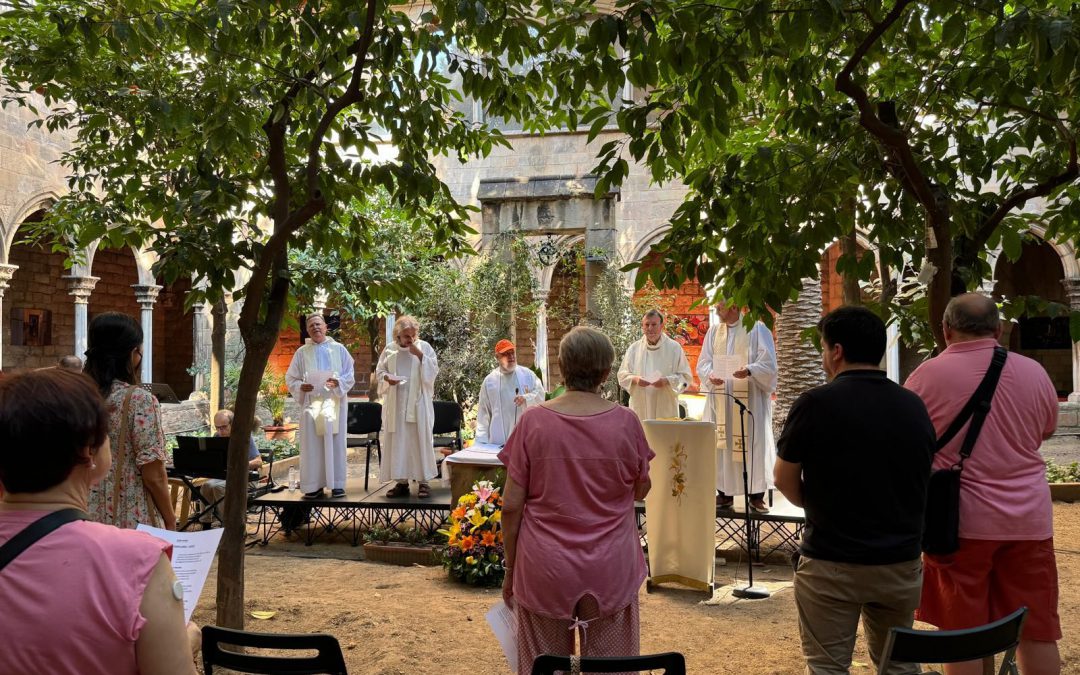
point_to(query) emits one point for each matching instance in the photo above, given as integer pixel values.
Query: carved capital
(146, 294)
(1072, 290)
(81, 287)
(6, 271)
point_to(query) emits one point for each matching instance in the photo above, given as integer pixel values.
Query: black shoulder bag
(35, 531)
(941, 534)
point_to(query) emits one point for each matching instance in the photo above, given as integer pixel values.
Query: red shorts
(987, 580)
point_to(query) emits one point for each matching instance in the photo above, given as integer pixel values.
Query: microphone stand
(750, 591)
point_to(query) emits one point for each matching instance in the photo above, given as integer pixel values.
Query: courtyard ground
(394, 620)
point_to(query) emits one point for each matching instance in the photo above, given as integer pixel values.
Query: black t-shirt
(865, 445)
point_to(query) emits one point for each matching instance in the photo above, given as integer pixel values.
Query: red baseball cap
(503, 346)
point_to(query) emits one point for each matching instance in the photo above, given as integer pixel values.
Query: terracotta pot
(1065, 492)
(400, 554)
(286, 432)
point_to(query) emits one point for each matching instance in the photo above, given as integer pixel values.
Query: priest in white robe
(319, 379)
(749, 374)
(505, 395)
(406, 374)
(654, 371)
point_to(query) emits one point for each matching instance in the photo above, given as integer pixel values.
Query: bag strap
(977, 407)
(121, 451)
(35, 531)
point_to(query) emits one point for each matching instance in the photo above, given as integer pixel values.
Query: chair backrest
(328, 659)
(364, 418)
(671, 663)
(447, 417)
(906, 645)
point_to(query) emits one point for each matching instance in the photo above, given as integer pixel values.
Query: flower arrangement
(474, 540)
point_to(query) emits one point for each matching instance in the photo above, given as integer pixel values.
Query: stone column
(146, 295)
(5, 277)
(541, 359)
(1072, 290)
(80, 288)
(200, 343)
(390, 318)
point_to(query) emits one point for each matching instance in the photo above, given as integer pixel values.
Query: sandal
(423, 491)
(399, 490)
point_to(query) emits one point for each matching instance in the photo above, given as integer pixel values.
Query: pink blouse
(71, 601)
(578, 533)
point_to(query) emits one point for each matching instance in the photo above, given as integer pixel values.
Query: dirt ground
(396, 620)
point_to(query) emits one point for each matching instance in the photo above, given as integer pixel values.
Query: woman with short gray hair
(575, 465)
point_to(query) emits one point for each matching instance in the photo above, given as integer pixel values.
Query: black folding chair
(448, 420)
(906, 645)
(671, 663)
(365, 419)
(328, 659)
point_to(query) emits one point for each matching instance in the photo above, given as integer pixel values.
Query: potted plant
(474, 542)
(399, 547)
(1064, 481)
(274, 393)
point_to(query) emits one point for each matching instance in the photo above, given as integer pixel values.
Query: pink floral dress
(145, 444)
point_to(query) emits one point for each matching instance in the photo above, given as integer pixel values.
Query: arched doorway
(565, 304)
(1037, 272)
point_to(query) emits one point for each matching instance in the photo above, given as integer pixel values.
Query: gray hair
(585, 358)
(972, 314)
(404, 322)
(230, 415)
(654, 314)
(314, 315)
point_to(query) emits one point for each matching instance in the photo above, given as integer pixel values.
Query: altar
(479, 461)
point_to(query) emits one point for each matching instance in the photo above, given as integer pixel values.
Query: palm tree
(798, 360)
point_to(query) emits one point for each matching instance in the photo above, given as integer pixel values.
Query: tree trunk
(939, 254)
(798, 361)
(849, 247)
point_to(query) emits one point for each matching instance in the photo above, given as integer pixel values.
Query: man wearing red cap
(507, 392)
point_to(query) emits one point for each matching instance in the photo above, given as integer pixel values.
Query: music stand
(200, 457)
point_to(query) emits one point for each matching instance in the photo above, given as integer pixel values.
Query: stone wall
(38, 284)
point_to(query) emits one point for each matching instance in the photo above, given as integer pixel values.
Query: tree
(938, 120)
(221, 134)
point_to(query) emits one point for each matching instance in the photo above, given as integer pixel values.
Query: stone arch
(144, 262)
(42, 201)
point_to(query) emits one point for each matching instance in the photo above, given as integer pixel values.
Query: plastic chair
(328, 659)
(671, 663)
(365, 419)
(906, 645)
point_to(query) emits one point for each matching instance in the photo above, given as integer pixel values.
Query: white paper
(318, 378)
(486, 447)
(650, 379)
(503, 623)
(724, 366)
(191, 557)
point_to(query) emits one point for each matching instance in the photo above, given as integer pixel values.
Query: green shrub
(1057, 473)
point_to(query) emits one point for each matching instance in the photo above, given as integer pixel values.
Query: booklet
(191, 557)
(503, 623)
(318, 378)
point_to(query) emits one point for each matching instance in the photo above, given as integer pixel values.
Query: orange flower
(467, 543)
(458, 513)
(488, 539)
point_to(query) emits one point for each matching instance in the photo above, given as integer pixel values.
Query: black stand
(750, 591)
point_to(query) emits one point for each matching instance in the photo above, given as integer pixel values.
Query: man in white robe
(751, 378)
(319, 379)
(406, 374)
(506, 393)
(654, 371)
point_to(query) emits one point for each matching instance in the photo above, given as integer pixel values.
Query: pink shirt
(70, 603)
(1003, 489)
(578, 533)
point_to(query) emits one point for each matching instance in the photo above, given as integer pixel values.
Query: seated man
(214, 489)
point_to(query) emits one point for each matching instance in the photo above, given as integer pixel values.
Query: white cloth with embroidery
(496, 412)
(680, 508)
(669, 360)
(757, 351)
(323, 413)
(406, 444)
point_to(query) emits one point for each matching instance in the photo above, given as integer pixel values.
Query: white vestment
(323, 413)
(757, 352)
(407, 449)
(496, 412)
(666, 358)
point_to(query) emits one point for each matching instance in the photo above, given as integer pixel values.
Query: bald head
(971, 316)
(71, 363)
(223, 422)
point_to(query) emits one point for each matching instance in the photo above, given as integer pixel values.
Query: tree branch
(1018, 198)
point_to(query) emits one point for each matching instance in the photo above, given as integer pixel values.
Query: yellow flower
(467, 500)
(496, 517)
(477, 518)
(471, 560)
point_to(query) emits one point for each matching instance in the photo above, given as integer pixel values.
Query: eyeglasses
(222, 427)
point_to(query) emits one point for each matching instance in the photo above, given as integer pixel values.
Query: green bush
(1057, 473)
